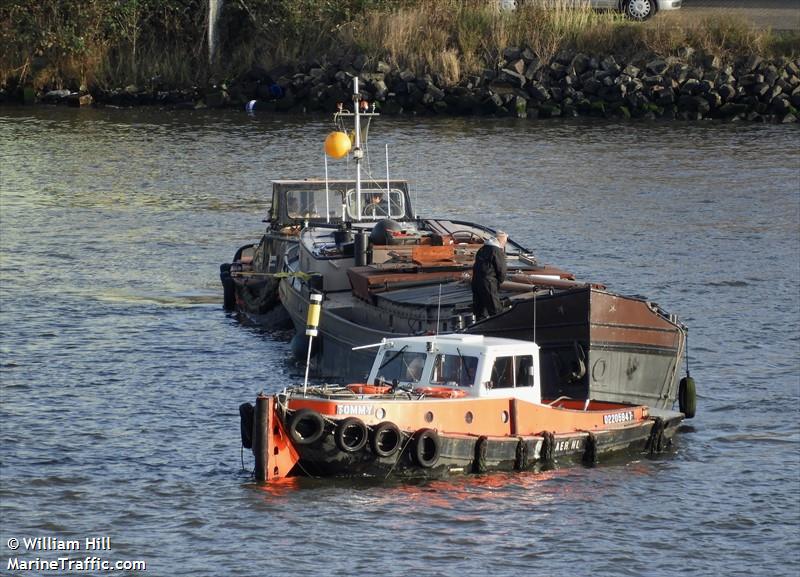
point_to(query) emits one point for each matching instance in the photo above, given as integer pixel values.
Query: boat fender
(228, 290)
(426, 448)
(590, 450)
(351, 435)
(656, 439)
(307, 427)
(546, 453)
(386, 439)
(479, 464)
(299, 346)
(521, 455)
(687, 397)
(246, 424)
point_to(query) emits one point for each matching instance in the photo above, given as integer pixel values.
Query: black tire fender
(246, 421)
(386, 439)
(307, 427)
(351, 434)
(687, 397)
(228, 290)
(426, 448)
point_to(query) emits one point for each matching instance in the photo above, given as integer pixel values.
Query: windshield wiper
(465, 365)
(393, 357)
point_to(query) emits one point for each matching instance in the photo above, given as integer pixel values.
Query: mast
(357, 152)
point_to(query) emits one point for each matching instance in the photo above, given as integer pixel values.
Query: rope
(399, 453)
(687, 352)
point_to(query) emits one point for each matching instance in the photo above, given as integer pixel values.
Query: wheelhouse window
(454, 370)
(376, 203)
(401, 366)
(510, 372)
(312, 204)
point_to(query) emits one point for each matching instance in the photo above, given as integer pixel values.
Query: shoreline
(572, 84)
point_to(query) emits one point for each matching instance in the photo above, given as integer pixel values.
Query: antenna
(438, 311)
(534, 313)
(357, 152)
(327, 208)
(388, 187)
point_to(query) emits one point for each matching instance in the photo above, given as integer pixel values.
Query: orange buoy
(337, 144)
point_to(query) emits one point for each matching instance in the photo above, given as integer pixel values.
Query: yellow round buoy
(337, 144)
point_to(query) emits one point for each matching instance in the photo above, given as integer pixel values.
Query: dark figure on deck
(488, 272)
(375, 206)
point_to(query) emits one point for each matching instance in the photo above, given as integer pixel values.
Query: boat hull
(459, 454)
(595, 344)
(599, 345)
(251, 280)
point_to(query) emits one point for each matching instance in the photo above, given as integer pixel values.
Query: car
(633, 9)
(638, 9)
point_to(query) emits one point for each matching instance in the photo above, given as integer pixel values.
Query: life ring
(351, 434)
(426, 448)
(386, 439)
(359, 389)
(687, 397)
(307, 427)
(440, 392)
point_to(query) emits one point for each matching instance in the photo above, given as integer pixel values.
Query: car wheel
(639, 9)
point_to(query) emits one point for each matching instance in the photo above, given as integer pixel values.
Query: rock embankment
(569, 85)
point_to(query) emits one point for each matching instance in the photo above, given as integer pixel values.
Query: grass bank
(114, 43)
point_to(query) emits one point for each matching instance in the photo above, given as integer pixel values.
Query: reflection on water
(121, 376)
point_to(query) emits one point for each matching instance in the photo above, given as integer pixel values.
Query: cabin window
(524, 376)
(376, 203)
(454, 370)
(503, 373)
(402, 366)
(508, 372)
(311, 204)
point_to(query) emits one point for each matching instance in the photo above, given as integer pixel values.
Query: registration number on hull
(616, 418)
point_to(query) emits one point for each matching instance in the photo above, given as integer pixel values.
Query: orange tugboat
(436, 406)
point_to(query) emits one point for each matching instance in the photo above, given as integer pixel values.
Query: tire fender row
(307, 426)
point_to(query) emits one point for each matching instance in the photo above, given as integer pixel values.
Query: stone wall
(691, 87)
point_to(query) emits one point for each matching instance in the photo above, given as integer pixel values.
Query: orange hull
(381, 436)
(471, 416)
